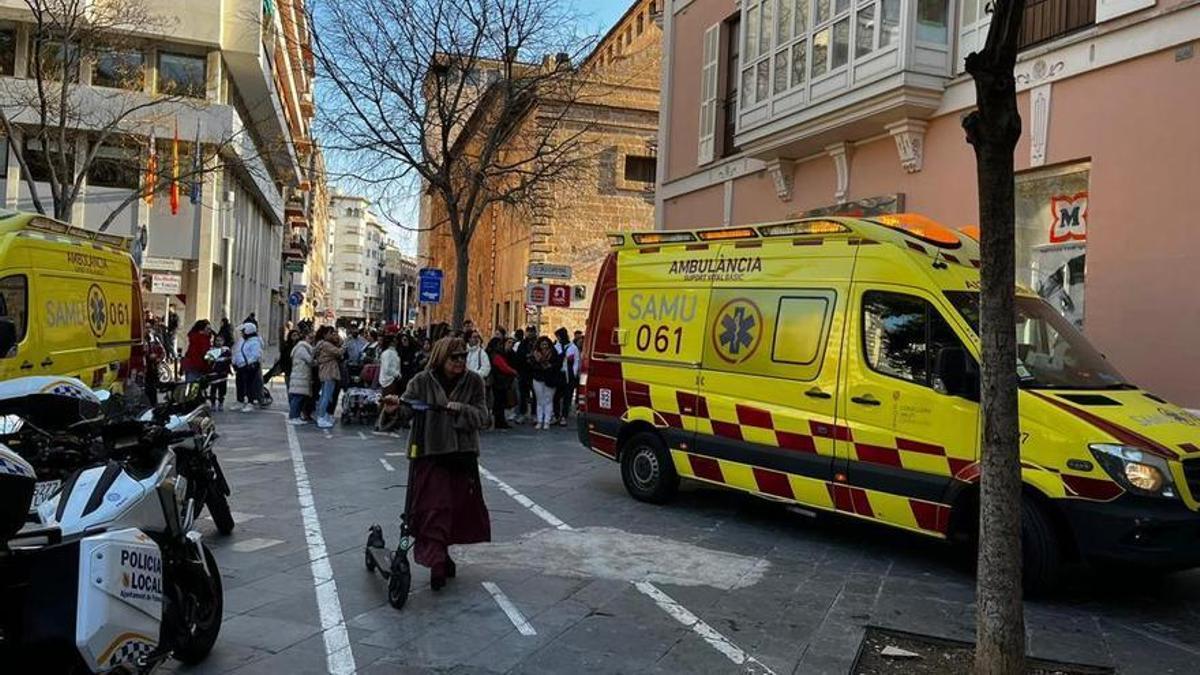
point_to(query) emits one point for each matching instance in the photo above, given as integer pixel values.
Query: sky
(596, 17)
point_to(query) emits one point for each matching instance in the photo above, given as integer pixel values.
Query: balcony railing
(807, 66)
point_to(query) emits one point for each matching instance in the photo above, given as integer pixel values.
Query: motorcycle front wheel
(218, 508)
(196, 619)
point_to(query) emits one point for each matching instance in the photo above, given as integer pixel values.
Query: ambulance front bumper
(1140, 531)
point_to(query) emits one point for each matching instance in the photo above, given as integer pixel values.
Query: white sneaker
(297, 422)
(248, 407)
(325, 423)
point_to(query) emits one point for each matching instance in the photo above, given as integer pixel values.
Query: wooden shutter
(708, 94)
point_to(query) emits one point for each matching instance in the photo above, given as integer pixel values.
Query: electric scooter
(393, 566)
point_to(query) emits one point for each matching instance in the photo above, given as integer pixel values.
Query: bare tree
(993, 130)
(62, 128)
(457, 97)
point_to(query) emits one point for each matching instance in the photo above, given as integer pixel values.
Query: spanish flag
(151, 171)
(175, 171)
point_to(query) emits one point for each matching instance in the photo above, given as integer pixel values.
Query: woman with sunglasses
(445, 499)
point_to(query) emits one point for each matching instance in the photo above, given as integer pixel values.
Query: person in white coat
(479, 362)
(300, 384)
(247, 361)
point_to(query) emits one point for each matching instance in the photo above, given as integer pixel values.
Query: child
(220, 364)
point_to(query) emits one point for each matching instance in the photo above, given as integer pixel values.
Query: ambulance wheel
(1041, 554)
(646, 469)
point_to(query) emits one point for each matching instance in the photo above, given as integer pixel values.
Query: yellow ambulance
(832, 363)
(70, 302)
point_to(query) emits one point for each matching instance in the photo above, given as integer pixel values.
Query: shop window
(119, 69)
(14, 305)
(1051, 236)
(182, 75)
(639, 169)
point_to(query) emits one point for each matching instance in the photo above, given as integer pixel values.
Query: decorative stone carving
(782, 172)
(1039, 128)
(910, 142)
(840, 152)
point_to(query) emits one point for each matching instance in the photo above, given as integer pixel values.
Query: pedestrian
(226, 332)
(546, 371)
(390, 382)
(445, 499)
(299, 385)
(329, 356)
(503, 375)
(221, 365)
(199, 341)
(480, 363)
(355, 346)
(423, 354)
(524, 350)
(172, 330)
(247, 362)
(283, 364)
(564, 394)
(407, 349)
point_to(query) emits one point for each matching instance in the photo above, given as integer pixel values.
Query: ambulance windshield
(1051, 353)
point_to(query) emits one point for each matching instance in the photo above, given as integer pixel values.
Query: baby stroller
(360, 402)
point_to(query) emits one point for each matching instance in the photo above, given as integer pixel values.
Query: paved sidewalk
(714, 582)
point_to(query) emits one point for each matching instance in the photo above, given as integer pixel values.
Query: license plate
(44, 490)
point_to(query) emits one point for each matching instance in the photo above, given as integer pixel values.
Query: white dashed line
(386, 464)
(525, 501)
(339, 658)
(362, 435)
(396, 454)
(677, 611)
(255, 544)
(514, 615)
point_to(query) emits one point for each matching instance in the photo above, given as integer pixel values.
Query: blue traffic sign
(430, 290)
(296, 298)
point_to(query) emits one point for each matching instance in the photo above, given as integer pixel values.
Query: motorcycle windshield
(49, 401)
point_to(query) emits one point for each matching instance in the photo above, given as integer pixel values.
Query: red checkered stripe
(722, 417)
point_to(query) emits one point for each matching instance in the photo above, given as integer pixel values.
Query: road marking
(525, 501)
(362, 435)
(339, 657)
(255, 544)
(677, 611)
(514, 615)
(396, 454)
(705, 631)
(386, 464)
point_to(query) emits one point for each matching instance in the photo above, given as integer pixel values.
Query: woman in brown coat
(445, 499)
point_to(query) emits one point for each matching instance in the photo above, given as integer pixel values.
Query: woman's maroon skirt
(445, 505)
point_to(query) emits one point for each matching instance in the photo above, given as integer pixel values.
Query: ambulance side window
(14, 306)
(902, 335)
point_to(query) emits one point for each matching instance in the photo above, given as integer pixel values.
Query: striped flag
(197, 166)
(175, 171)
(151, 171)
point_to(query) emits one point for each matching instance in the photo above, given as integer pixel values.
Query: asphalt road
(582, 578)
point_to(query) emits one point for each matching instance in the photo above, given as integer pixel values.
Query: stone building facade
(566, 223)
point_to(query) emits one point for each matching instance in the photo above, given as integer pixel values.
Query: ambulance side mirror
(8, 338)
(955, 373)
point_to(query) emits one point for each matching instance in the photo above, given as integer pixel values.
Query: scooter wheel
(371, 566)
(399, 582)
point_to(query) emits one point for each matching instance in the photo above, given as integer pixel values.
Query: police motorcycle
(185, 408)
(107, 578)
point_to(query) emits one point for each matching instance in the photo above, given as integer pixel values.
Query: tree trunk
(462, 273)
(993, 130)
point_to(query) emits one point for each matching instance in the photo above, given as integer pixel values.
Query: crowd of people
(528, 378)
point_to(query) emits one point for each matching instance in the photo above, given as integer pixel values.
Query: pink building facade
(774, 109)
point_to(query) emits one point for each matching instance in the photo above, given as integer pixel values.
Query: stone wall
(566, 222)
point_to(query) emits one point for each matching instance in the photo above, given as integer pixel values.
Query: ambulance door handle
(816, 392)
(26, 365)
(865, 399)
(47, 362)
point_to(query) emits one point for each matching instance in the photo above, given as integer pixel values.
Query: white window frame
(710, 97)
